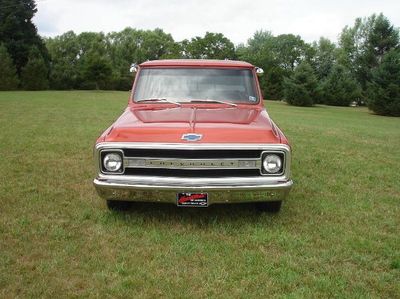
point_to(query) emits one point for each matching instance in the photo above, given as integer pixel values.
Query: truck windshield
(196, 84)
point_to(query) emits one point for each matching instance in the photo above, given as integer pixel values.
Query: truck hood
(216, 125)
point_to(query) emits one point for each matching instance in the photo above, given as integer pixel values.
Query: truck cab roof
(196, 63)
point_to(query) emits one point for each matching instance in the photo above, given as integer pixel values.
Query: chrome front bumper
(165, 189)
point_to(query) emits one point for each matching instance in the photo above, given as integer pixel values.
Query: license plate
(192, 200)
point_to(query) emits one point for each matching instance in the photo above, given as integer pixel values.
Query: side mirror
(133, 68)
(259, 71)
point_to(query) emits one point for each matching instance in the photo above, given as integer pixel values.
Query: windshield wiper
(213, 101)
(159, 100)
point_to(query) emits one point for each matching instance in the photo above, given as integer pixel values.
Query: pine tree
(35, 73)
(8, 72)
(363, 45)
(384, 89)
(18, 33)
(97, 70)
(340, 88)
(300, 88)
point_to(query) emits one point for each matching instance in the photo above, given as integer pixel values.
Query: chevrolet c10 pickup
(194, 133)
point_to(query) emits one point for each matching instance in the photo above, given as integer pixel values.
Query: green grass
(336, 236)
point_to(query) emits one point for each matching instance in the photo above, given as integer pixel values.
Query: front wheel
(269, 206)
(118, 205)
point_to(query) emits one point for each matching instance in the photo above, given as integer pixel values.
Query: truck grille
(192, 163)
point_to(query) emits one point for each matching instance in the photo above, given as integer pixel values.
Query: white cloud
(238, 20)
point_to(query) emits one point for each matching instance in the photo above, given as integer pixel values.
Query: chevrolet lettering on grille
(191, 163)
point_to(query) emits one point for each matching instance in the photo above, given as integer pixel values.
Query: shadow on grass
(230, 215)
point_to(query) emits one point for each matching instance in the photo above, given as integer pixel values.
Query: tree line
(363, 67)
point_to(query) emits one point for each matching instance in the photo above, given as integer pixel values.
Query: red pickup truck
(194, 133)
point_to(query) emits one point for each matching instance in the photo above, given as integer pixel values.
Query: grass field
(337, 235)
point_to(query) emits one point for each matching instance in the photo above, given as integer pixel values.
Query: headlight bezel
(281, 155)
(106, 152)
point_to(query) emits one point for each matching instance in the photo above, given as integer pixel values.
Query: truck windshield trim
(185, 85)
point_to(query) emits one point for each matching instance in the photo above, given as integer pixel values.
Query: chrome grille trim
(285, 149)
(172, 163)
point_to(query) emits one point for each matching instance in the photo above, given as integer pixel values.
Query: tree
(8, 73)
(278, 56)
(363, 45)
(97, 70)
(384, 89)
(95, 61)
(259, 51)
(289, 51)
(65, 53)
(18, 33)
(35, 73)
(211, 46)
(323, 58)
(382, 38)
(135, 46)
(300, 89)
(340, 88)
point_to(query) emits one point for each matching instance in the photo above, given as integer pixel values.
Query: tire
(269, 206)
(118, 205)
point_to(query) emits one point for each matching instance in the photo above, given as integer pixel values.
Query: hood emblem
(192, 137)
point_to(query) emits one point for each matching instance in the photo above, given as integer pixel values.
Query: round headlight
(272, 163)
(112, 162)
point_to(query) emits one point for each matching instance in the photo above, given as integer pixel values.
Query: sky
(237, 20)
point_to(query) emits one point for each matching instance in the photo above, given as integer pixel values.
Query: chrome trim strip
(176, 163)
(186, 184)
(154, 145)
(204, 182)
